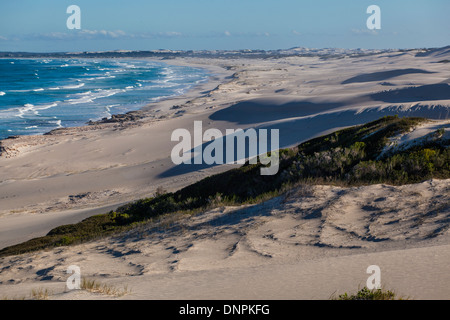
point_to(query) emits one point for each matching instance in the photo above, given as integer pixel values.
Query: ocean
(38, 95)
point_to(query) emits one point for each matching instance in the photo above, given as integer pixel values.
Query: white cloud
(296, 33)
(3, 38)
(85, 34)
(364, 31)
(169, 34)
(235, 34)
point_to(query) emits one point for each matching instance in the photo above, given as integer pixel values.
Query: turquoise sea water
(38, 95)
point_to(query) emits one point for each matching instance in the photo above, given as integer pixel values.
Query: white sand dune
(310, 244)
(72, 173)
(424, 133)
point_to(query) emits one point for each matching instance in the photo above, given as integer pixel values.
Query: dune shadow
(255, 111)
(383, 75)
(436, 51)
(242, 215)
(438, 91)
(219, 150)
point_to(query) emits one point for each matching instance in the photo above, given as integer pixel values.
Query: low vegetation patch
(367, 294)
(98, 287)
(40, 294)
(346, 157)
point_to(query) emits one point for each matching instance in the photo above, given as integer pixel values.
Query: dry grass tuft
(40, 294)
(98, 287)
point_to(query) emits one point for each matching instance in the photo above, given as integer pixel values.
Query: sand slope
(308, 244)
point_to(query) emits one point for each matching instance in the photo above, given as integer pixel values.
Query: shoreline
(216, 76)
(64, 211)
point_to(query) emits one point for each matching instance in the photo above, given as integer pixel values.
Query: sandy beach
(273, 250)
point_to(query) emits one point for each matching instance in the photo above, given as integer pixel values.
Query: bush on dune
(367, 294)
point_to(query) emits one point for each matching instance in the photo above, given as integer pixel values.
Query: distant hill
(244, 53)
(170, 54)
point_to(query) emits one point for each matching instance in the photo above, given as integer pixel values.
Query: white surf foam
(25, 109)
(100, 93)
(57, 122)
(45, 106)
(76, 86)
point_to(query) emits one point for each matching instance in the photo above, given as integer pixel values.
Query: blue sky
(40, 25)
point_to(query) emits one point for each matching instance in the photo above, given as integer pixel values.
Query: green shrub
(366, 294)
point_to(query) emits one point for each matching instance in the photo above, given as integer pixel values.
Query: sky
(41, 25)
